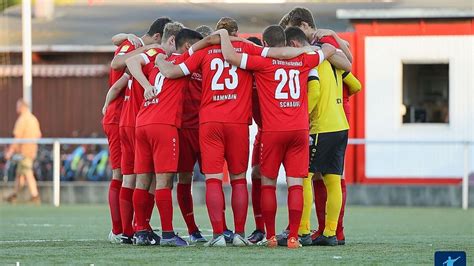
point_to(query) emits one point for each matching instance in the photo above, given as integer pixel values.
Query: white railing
(57, 142)
(56, 155)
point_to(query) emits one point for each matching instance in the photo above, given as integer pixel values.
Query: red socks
(257, 210)
(269, 207)
(320, 197)
(114, 205)
(149, 209)
(240, 204)
(126, 210)
(295, 209)
(224, 223)
(215, 204)
(185, 201)
(165, 207)
(340, 221)
(140, 202)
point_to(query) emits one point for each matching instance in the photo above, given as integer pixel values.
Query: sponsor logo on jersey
(124, 48)
(151, 52)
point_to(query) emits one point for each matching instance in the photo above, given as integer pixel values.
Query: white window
(425, 93)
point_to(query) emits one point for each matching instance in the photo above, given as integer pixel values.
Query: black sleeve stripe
(311, 78)
(344, 75)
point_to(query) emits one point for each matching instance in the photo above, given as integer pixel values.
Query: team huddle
(180, 96)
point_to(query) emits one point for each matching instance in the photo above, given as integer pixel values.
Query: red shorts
(189, 151)
(224, 141)
(287, 147)
(113, 137)
(156, 149)
(127, 142)
(256, 152)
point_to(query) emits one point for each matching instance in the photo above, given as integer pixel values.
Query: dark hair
(187, 35)
(298, 15)
(295, 34)
(274, 36)
(284, 21)
(158, 26)
(255, 40)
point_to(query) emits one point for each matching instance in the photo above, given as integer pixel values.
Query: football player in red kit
(283, 99)
(157, 140)
(112, 113)
(224, 116)
(259, 233)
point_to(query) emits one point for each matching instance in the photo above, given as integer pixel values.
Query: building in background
(416, 67)
(415, 64)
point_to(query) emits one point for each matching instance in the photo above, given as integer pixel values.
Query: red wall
(356, 156)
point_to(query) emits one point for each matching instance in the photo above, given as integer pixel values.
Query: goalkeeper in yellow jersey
(328, 139)
(303, 19)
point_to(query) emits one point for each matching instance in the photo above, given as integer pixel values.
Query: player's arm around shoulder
(119, 38)
(170, 70)
(340, 61)
(115, 90)
(314, 89)
(352, 83)
(228, 50)
(327, 51)
(134, 65)
(119, 61)
(286, 52)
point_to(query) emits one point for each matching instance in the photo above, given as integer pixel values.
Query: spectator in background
(26, 127)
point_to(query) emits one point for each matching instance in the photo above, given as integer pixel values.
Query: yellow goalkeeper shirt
(326, 111)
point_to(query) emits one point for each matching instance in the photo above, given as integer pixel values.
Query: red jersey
(167, 106)
(134, 93)
(283, 89)
(192, 101)
(345, 101)
(256, 106)
(114, 110)
(226, 89)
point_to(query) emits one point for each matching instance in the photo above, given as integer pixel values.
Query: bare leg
(30, 179)
(117, 174)
(129, 181)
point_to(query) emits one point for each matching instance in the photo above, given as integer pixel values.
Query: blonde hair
(171, 29)
(229, 24)
(204, 30)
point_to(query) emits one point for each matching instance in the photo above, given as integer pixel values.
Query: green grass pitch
(77, 235)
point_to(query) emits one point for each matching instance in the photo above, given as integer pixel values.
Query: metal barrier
(57, 142)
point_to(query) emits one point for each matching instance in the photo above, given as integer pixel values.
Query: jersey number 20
(230, 83)
(293, 80)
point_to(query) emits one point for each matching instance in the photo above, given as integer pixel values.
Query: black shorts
(327, 151)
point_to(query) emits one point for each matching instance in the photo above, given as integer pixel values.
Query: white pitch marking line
(45, 240)
(44, 225)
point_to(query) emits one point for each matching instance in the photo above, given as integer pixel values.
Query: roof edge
(403, 13)
(59, 48)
